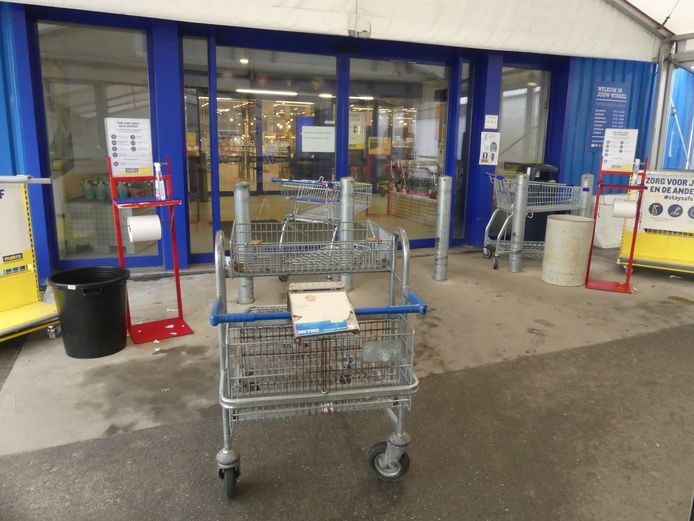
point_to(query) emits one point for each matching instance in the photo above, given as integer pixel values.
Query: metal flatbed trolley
(265, 373)
(542, 197)
(318, 201)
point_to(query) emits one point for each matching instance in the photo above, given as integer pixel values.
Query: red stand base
(159, 330)
(608, 285)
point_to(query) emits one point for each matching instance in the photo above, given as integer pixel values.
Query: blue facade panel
(680, 128)
(19, 153)
(577, 156)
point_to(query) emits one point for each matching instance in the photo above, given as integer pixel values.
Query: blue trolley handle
(414, 305)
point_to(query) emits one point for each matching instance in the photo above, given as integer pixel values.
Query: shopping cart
(543, 197)
(308, 200)
(265, 373)
(261, 249)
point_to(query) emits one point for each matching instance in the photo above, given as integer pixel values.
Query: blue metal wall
(683, 100)
(19, 152)
(577, 156)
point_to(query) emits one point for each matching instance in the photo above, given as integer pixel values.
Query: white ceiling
(682, 19)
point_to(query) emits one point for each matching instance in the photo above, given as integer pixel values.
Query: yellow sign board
(379, 146)
(18, 280)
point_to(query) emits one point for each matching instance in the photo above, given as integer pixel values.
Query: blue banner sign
(610, 106)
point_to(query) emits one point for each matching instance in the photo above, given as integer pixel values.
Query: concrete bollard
(443, 228)
(242, 227)
(520, 203)
(346, 227)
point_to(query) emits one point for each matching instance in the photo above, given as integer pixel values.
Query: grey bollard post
(520, 203)
(443, 228)
(346, 228)
(586, 199)
(242, 226)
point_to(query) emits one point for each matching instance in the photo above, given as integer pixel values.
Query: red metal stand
(610, 285)
(168, 327)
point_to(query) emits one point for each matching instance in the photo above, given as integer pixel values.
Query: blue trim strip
(27, 94)
(486, 99)
(214, 133)
(556, 115)
(342, 117)
(201, 258)
(452, 132)
(166, 64)
(415, 306)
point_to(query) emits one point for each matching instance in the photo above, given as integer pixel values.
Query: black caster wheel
(230, 478)
(284, 278)
(387, 474)
(495, 263)
(487, 253)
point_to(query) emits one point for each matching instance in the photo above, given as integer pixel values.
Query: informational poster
(668, 202)
(489, 149)
(129, 146)
(491, 122)
(610, 106)
(619, 149)
(357, 126)
(317, 139)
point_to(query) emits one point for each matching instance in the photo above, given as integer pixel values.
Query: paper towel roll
(144, 228)
(624, 208)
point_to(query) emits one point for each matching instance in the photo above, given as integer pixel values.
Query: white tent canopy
(593, 28)
(678, 13)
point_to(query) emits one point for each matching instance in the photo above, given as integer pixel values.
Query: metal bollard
(346, 228)
(242, 225)
(443, 228)
(586, 199)
(520, 203)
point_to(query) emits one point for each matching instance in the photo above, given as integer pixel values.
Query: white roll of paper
(624, 208)
(144, 228)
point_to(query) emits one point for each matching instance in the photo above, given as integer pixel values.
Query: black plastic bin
(91, 307)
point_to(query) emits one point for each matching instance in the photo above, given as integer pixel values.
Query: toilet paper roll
(624, 208)
(144, 228)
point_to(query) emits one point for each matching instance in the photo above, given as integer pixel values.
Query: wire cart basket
(261, 249)
(312, 201)
(543, 197)
(265, 373)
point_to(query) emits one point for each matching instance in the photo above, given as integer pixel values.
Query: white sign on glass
(317, 139)
(489, 149)
(619, 149)
(129, 144)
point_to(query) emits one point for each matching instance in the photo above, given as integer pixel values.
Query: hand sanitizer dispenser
(159, 187)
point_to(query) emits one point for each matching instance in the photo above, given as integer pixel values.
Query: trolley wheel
(284, 278)
(495, 263)
(53, 331)
(229, 477)
(487, 253)
(386, 474)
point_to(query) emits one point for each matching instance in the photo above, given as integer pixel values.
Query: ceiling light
(269, 92)
(325, 95)
(293, 103)
(244, 60)
(532, 84)
(363, 98)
